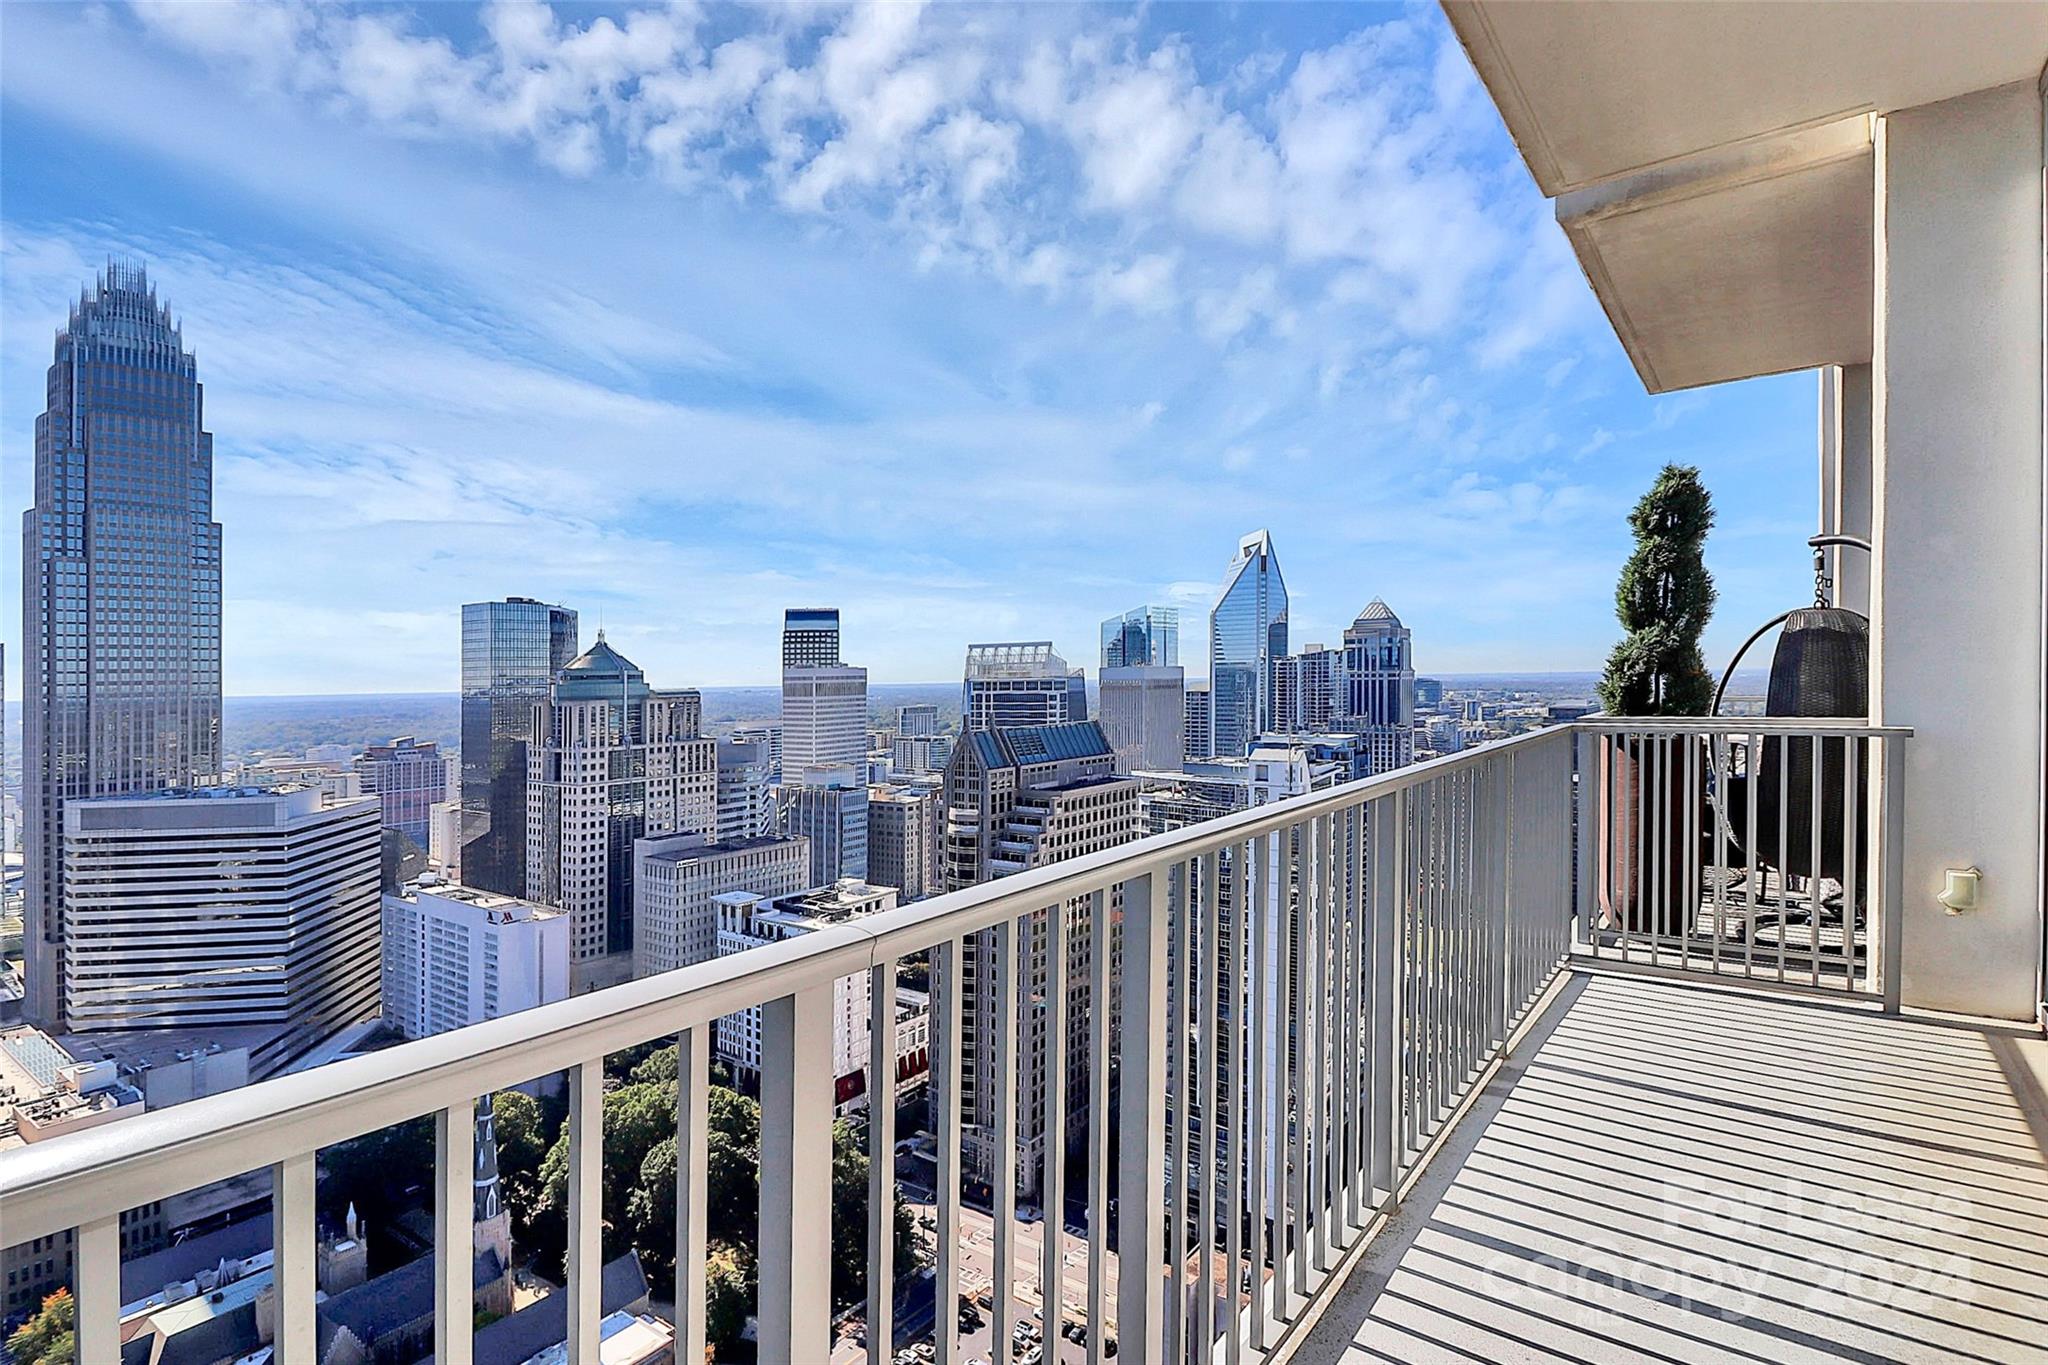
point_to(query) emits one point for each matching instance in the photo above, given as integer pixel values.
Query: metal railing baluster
(454, 1213)
(795, 1309)
(586, 1213)
(881, 1297)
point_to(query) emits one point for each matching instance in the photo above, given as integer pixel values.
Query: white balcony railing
(1359, 958)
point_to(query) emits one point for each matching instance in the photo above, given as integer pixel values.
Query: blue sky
(976, 322)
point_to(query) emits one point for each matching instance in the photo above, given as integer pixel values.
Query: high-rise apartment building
(408, 777)
(214, 908)
(454, 955)
(1195, 720)
(1308, 691)
(120, 591)
(903, 837)
(613, 761)
(1015, 799)
(677, 879)
(746, 788)
(1247, 635)
(829, 807)
(810, 637)
(1143, 637)
(917, 720)
(1379, 686)
(1143, 709)
(747, 920)
(511, 652)
(1022, 683)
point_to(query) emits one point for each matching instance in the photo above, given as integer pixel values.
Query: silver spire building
(1247, 636)
(120, 589)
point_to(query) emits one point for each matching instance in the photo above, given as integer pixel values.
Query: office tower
(120, 591)
(1429, 694)
(829, 808)
(455, 955)
(746, 789)
(613, 761)
(408, 777)
(1379, 682)
(747, 920)
(919, 755)
(511, 652)
(1247, 634)
(217, 908)
(768, 735)
(1195, 720)
(676, 879)
(810, 637)
(1019, 798)
(903, 838)
(1143, 637)
(1143, 709)
(824, 700)
(1024, 683)
(917, 721)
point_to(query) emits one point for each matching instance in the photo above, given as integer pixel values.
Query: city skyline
(440, 376)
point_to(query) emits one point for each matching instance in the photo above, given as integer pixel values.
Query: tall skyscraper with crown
(120, 589)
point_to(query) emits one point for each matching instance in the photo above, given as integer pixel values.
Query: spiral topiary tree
(1663, 601)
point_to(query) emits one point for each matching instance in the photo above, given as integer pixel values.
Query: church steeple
(493, 1225)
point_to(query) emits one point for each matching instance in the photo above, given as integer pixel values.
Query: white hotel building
(456, 955)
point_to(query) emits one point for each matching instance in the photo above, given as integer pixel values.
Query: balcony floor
(1672, 1172)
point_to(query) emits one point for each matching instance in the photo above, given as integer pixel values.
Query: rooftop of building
(1082, 783)
(1016, 746)
(432, 885)
(689, 848)
(844, 899)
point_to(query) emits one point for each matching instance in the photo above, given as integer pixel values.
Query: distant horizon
(1531, 675)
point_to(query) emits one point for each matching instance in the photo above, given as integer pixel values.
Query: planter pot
(1645, 886)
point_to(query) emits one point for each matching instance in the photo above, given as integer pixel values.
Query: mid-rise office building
(747, 920)
(217, 908)
(746, 788)
(1429, 694)
(120, 591)
(918, 720)
(455, 955)
(1379, 681)
(829, 807)
(1144, 637)
(677, 878)
(1195, 720)
(767, 735)
(613, 761)
(1023, 683)
(1247, 637)
(919, 755)
(409, 777)
(903, 838)
(511, 652)
(1015, 799)
(1143, 709)
(444, 839)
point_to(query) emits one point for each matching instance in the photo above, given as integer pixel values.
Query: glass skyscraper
(1247, 634)
(511, 652)
(1144, 637)
(120, 589)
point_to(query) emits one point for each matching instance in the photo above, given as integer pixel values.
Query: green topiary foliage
(1663, 600)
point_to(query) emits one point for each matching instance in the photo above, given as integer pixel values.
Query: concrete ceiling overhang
(1712, 159)
(1743, 261)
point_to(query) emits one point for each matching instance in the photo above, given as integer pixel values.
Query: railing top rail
(1740, 725)
(96, 1173)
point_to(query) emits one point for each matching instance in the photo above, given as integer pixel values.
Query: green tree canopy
(51, 1336)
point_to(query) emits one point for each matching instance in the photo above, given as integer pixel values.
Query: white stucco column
(1957, 510)
(1845, 477)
